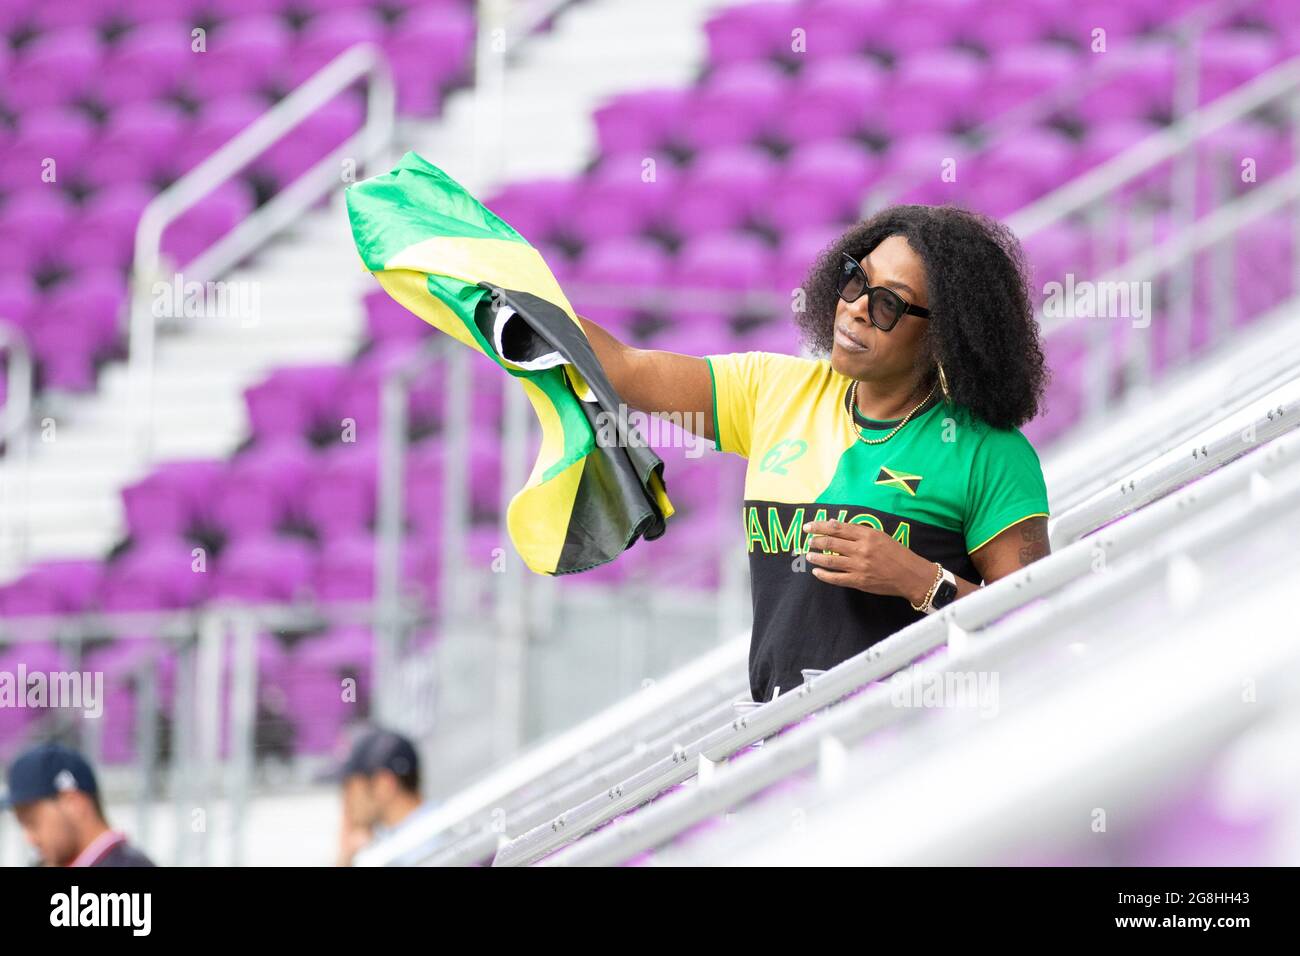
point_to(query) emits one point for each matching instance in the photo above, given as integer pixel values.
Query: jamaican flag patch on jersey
(447, 258)
(892, 478)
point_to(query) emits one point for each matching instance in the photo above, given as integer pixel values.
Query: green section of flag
(414, 202)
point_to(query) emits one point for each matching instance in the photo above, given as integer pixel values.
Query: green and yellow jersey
(945, 485)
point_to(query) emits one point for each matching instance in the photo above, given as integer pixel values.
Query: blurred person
(380, 780)
(53, 793)
(889, 478)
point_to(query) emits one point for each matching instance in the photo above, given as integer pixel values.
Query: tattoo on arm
(1033, 541)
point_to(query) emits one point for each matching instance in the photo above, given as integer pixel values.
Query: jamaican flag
(443, 255)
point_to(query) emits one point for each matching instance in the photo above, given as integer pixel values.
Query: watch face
(945, 595)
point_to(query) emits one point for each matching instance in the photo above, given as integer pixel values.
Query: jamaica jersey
(944, 486)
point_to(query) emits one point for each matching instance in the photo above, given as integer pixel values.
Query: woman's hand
(868, 560)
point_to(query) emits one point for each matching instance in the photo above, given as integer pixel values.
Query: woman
(890, 479)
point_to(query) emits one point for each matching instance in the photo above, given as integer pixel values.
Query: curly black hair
(981, 327)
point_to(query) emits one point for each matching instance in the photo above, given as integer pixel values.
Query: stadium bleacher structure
(757, 164)
(1259, 444)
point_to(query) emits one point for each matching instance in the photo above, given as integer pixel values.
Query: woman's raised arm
(655, 381)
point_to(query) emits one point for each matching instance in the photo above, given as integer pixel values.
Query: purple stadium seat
(699, 336)
(261, 488)
(1119, 18)
(1229, 58)
(616, 279)
(92, 302)
(290, 402)
(104, 236)
(821, 183)
(835, 98)
(620, 198)
(1019, 170)
(66, 359)
(1022, 73)
(721, 190)
(346, 569)
(643, 120)
(1222, 153)
(61, 134)
(753, 31)
(77, 323)
(1055, 251)
(264, 569)
(313, 139)
(940, 88)
(148, 63)
(996, 26)
(55, 69)
(838, 29)
(1141, 87)
(218, 123)
(137, 143)
(921, 25)
(736, 106)
(339, 496)
(328, 34)
(422, 485)
(388, 321)
(797, 252)
(207, 221)
(723, 266)
(317, 666)
(430, 47)
(154, 575)
(66, 586)
(1105, 141)
(245, 55)
(535, 208)
(18, 298)
(173, 499)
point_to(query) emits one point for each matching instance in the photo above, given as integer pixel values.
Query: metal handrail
(875, 707)
(1174, 255)
(1239, 376)
(975, 611)
(1130, 489)
(496, 790)
(951, 627)
(363, 61)
(1267, 418)
(1087, 190)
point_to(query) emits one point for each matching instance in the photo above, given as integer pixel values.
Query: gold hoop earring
(943, 385)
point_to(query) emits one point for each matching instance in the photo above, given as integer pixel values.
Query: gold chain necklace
(853, 403)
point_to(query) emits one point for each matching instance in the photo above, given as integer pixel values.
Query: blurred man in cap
(53, 793)
(381, 789)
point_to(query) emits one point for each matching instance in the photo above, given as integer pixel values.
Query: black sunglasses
(884, 306)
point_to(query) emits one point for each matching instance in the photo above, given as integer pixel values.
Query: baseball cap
(46, 771)
(377, 750)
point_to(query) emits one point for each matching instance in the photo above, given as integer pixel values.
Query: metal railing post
(512, 583)
(455, 488)
(388, 544)
(361, 61)
(243, 730)
(146, 744)
(207, 700)
(17, 450)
